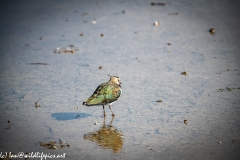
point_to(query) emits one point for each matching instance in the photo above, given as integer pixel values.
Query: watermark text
(41, 155)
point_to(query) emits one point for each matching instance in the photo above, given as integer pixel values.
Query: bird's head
(115, 79)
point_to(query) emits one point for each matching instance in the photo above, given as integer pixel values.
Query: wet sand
(162, 113)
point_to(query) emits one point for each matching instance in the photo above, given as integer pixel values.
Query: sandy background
(138, 52)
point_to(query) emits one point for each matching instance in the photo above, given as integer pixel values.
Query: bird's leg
(104, 123)
(111, 122)
(104, 111)
(111, 110)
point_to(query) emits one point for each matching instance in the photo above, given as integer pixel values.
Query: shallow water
(138, 52)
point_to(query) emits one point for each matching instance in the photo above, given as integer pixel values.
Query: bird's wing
(97, 97)
(105, 93)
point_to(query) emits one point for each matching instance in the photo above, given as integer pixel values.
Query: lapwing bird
(105, 93)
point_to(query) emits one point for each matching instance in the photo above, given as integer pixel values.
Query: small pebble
(152, 3)
(101, 35)
(156, 23)
(185, 121)
(100, 67)
(159, 101)
(96, 123)
(184, 73)
(37, 105)
(212, 31)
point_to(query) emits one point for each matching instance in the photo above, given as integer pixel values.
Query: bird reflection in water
(107, 137)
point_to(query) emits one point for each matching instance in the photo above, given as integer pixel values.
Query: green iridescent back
(105, 93)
